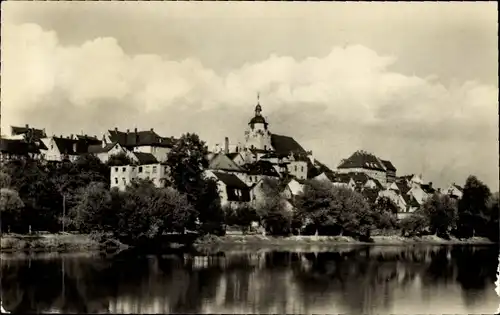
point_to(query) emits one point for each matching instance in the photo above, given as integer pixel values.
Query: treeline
(44, 196)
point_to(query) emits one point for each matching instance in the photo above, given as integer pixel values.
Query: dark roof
(88, 138)
(233, 195)
(145, 158)
(130, 139)
(458, 187)
(261, 168)
(71, 146)
(338, 178)
(18, 147)
(258, 120)
(427, 188)
(360, 159)
(30, 133)
(232, 155)
(98, 148)
(388, 165)
(286, 145)
(231, 180)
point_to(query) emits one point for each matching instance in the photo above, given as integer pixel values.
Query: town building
(455, 191)
(233, 192)
(146, 167)
(364, 162)
(141, 141)
(65, 148)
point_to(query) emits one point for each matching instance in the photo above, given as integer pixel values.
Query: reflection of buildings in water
(139, 305)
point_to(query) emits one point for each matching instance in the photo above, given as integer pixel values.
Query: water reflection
(378, 279)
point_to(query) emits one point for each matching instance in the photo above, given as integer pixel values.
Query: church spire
(258, 108)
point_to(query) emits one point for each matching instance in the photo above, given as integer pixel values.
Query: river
(354, 280)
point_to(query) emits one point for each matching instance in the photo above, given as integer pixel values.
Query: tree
(91, 169)
(187, 162)
(441, 213)
(414, 225)
(492, 227)
(384, 212)
(119, 159)
(5, 180)
(93, 211)
(272, 210)
(10, 207)
(335, 210)
(472, 208)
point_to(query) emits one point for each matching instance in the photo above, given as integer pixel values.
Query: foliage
(492, 226)
(441, 213)
(414, 225)
(5, 180)
(335, 210)
(10, 207)
(187, 162)
(119, 159)
(272, 211)
(242, 216)
(384, 212)
(473, 208)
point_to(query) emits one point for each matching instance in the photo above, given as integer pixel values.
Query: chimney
(135, 129)
(128, 130)
(116, 129)
(27, 126)
(71, 136)
(226, 145)
(152, 129)
(44, 131)
(430, 184)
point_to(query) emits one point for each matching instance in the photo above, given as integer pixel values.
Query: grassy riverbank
(61, 242)
(234, 241)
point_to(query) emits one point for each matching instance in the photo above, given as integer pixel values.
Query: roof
(32, 133)
(458, 187)
(130, 139)
(145, 158)
(427, 188)
(258, 120)
(18, 147)
(286, 145)
(98, 148)
(261, 168)
(232, 155)
(221, 161)
(89, 138)
(388, 165)
(338, 178)
(231, 180)
(71, 146)
(361, 159)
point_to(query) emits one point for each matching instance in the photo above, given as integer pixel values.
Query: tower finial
(258, 97)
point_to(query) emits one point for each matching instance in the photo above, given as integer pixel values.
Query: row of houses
(241, 170)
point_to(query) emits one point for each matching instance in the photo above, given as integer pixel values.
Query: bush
(414, 225)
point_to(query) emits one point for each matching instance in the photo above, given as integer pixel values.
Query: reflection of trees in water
(362, 280)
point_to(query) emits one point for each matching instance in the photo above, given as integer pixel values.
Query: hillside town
(239, 169)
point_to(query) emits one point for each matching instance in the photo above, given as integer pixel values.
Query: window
(140, 169)
(166, 169)
(295, 168)
(116, 180)
(154, 170)
(123, 180)
(52, 147)
(123, 169)
(116, 169)
(265, 147)
(302, 168)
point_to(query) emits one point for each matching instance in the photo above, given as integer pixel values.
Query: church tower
(258, 135)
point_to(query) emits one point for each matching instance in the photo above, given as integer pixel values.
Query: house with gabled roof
(18, 149)
(104, 151)
(259, 170)
(233, 191)
(27, 133)
(65, 148)
(364, 162)
(455, 191)
(390, 171)
(141, 141)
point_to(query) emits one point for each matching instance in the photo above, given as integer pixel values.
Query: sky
(414, 83)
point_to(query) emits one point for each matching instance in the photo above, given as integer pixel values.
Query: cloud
(334, 104)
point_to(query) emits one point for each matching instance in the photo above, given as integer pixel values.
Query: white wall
(378, 175)
(122, 176)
